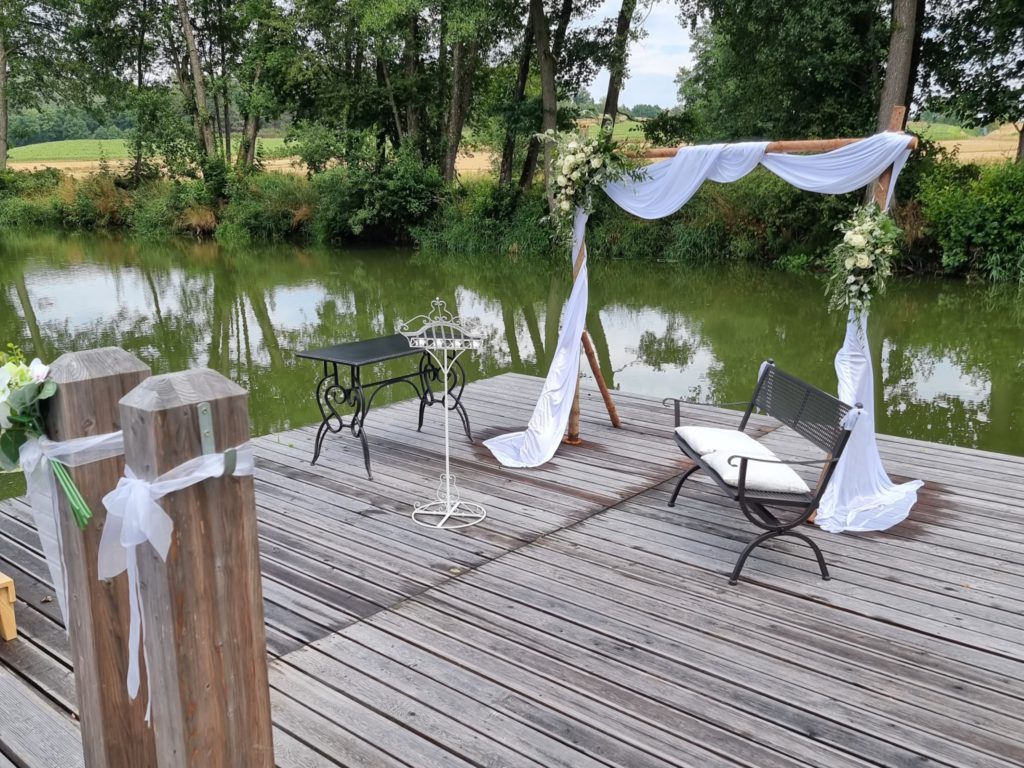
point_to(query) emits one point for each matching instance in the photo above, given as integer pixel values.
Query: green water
(949, 356)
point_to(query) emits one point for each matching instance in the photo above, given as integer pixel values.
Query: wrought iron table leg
(359, 417)
(326, 390)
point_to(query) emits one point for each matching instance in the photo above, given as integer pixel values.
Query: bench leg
(8, 629)
(734, 578)
(675, 493)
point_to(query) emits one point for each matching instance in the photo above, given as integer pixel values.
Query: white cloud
(653, 60)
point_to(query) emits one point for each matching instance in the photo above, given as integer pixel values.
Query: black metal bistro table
(333, 393)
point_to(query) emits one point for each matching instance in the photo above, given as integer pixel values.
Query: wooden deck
(586, 624)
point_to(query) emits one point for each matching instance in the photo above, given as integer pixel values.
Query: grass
(941, 131)
(92, 150)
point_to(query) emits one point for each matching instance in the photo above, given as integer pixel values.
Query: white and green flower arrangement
(862, 262)
(581, 164)
(23, 388)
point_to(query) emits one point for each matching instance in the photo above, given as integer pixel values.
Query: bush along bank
(958, 219)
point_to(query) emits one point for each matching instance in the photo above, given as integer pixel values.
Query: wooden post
(8, 628)
(203, 607)
(881, 186)
(595, 366)
(114, 732)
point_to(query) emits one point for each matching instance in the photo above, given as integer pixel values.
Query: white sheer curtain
(538, 443)
(664, 188)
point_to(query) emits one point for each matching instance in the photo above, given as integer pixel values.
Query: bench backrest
(808, 411)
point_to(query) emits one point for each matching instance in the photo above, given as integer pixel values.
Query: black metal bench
(813, 414)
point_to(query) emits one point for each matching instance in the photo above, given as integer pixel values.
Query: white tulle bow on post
(36, 456)
(134, 516)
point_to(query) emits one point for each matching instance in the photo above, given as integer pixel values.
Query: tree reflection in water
(948, 355)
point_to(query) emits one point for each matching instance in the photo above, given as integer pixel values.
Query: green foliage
(368, 198)
(19, 212)
(316, 144)
(29, 183)
(977, 217)
(269, 207)
(482, 219)
(97, 203)
(772, 68)
(861, 263)
(671, 128)
(973, 63)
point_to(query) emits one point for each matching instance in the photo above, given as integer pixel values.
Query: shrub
(482, 219)
(180, 207)
(97, 202)
(977, 217)
(29, 212)
(268, 206)
(376, 200)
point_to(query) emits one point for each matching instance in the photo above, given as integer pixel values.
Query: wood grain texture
(114, 732)
(203, 607)
(8, 627)
(585, 623)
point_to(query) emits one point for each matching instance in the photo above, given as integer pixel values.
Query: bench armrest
(677, 401)
(810, 463)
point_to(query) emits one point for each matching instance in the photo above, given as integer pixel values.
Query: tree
(773, 68)
(896, 90)
(617, 60)
(974, 62)
(644, 111)
(30, 54)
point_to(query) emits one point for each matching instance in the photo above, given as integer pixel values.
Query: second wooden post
(203, 608)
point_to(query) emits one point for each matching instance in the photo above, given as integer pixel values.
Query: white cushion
(716, 446)
(706, 440)
(760, 476)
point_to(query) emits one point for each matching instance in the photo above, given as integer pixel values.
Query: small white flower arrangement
(579, 165)
(862, 261)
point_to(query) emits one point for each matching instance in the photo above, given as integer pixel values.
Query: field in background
(81, 157)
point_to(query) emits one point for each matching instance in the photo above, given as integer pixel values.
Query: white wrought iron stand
(442, 335)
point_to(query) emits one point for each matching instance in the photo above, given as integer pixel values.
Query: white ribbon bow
(134, 516)
(43, 495)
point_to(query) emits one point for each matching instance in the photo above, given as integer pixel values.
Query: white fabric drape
(44, 494)
(543, 434)
(134, 516)
(861, 497)
(662, 190)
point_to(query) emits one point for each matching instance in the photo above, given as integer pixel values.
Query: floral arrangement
(579, 165)
(22, 389)
(862, 261)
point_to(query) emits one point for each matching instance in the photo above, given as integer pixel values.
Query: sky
(653, 60)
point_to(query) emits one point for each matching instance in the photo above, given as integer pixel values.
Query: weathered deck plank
(585, 623)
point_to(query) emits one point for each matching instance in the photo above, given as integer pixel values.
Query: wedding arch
(861, 496)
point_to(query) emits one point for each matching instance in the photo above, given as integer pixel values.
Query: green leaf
(10, 442)
(49, 389)
(24, 397)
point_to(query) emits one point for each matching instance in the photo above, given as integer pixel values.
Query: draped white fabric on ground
(861, 497)
(663, 189)
(544, 433)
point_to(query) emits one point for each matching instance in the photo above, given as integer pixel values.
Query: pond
(949, 355)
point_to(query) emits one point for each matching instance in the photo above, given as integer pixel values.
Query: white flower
(575, 176)
(5, 412)
(38, 371)
(863, 262)
(849, 262)
(573, 146)
(596, 162)
(865, 288)
(561, 180)
(566, 205)
(855, 239)
(850, 279)
(5, 384)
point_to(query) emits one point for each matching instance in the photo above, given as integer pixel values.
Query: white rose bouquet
(862, 261)
(581, 164)
(22, 389)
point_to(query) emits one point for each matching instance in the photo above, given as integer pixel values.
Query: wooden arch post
(880, 188)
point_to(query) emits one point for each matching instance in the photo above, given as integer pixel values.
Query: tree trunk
(617, 61)
(522, 75)
(549, 94)
(250, 130)
(915, 57)
(1020, 142)
(382, 70)
(561, 27)
(3, 102)
(412, 59)
(198, 84)
(140, 81)
(898, 64)
(463, 68)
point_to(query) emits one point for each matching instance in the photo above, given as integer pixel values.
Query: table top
(363, 352)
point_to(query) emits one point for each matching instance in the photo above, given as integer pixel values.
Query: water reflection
(948, 355)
